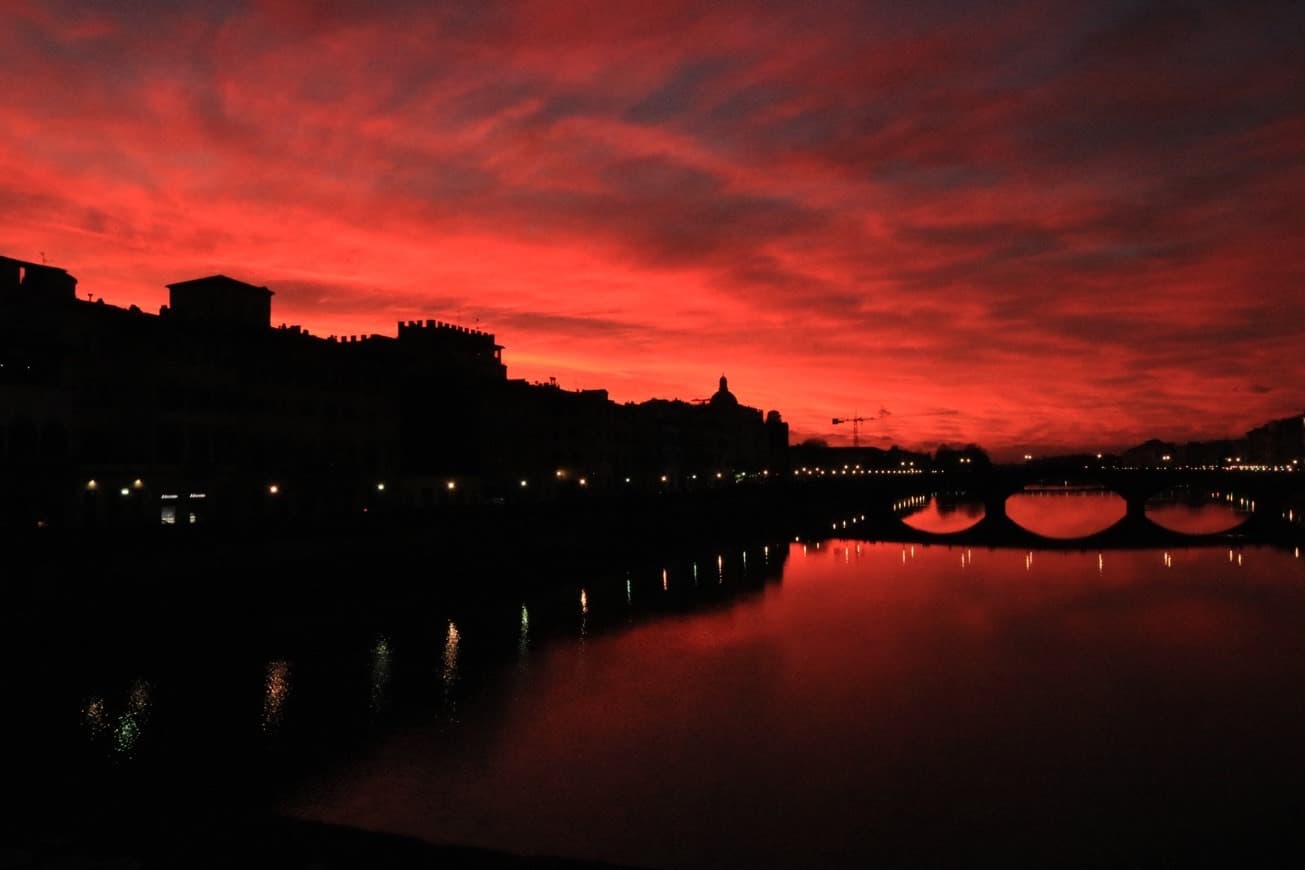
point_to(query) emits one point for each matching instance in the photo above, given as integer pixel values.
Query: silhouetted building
(1152, 453)
(220, 301)
(816, 454)
(20, 279)
(723, 399)
(717, 437)
(1277, 444)
(971, 457)
(205, 413)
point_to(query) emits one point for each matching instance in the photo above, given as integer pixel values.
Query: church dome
(723, 397)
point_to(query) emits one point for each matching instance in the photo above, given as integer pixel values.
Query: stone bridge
(864, 507)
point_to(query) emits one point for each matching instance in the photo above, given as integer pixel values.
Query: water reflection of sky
(882, 702)
(1074, 513)
(1070, 513)
(705, 695)
(942, 514)
(1199, 513)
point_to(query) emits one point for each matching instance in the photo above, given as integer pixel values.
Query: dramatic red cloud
(1000, 225)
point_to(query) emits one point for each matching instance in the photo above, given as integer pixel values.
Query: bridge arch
(1066, 513)
(940, 512)
(1276, 495)
(1198, 510)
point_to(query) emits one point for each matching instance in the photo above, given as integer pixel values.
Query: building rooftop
(219, 283)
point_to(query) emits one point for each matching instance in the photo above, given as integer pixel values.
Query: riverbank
(279, 842)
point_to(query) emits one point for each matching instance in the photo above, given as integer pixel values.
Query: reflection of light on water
(449, 664)
(451, 640)
(629, 592)
(1028, 561)
(1101, 563)
(127, 730)
(1168, 560)
(139, 699)
(523, 636)
(276, 687)
(380, 672)
(765, 554)
(584, 602)
(665, 584)
(745, 562)
(95, 717)
(695, 573)
(126, 734)
(720, 569)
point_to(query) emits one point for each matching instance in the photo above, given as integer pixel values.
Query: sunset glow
(1031, 229)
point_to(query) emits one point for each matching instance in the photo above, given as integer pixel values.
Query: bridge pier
(994, 506)
(996, 523)
(1136, 506)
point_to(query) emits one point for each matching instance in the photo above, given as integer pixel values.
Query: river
(833, 702)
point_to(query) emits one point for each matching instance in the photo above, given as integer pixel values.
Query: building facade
(206, 414)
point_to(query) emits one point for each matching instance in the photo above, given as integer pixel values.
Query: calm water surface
(941, 514)
(1074, 512)
(1198, 513)
(881, 702)
(1066, 513)
(809, 703)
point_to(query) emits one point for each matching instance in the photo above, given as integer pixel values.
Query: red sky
(1031, 229)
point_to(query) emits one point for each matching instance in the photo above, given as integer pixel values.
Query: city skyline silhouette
(239, 315)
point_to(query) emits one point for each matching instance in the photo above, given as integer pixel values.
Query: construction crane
(856, 422)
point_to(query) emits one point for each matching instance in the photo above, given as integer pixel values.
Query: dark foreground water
(884, 702)
(795, 704)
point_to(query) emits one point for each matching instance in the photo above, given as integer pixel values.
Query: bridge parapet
(1135, 486)
(1133, 531)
